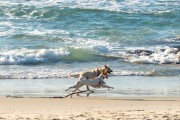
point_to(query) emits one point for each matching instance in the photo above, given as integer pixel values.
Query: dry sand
(90, 108)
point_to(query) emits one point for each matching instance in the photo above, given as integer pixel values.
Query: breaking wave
(24, 56)
(58, 73)
(30, 56)
(155, 55)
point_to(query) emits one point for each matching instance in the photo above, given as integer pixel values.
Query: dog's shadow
(84, 93)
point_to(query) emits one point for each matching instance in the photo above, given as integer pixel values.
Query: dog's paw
(91, 91)
(110, 88)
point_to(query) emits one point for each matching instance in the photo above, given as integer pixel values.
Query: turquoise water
(49, 38)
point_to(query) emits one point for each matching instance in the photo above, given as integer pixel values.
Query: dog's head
(106, 70)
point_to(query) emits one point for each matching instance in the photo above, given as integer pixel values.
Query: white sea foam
(164, 55)
(173, 39)
(3, 30)
(29, 56)
(6, 23)
(128, 6)
(47, 32)
(33, 74)
(57, 73)
(133, 73)
(37, 32)
(143, 6)
(86, 43)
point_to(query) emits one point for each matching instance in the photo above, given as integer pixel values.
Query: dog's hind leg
(83, 78)
(75, 91)
(106, 86)
(87, 88)
(77, 86)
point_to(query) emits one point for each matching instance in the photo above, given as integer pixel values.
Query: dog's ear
(95, 69)
(105, 66)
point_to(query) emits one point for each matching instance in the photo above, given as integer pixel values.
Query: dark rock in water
(177, 38)
(172, 46)
(162, 50)
(176, 46)
(141, 52)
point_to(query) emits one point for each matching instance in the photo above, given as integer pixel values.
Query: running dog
(98, 82)
(90, 75)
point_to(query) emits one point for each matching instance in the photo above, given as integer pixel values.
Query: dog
(98, 82)
(90, 75)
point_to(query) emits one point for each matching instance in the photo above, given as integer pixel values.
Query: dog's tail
(74, 76)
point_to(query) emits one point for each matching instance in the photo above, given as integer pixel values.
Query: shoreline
(127, 86)
(133, 98)
(90, 108)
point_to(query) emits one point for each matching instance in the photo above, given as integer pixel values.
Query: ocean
(47, 39)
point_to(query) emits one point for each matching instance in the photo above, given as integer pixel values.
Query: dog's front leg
(83, 78)
(74, 92)
(106, 86)
(87, 88)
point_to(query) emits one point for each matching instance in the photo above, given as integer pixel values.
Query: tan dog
(97, 83)
(89, 75)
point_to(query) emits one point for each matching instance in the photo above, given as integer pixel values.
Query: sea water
(47, 39)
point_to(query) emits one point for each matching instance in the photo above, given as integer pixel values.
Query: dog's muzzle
(109, 71)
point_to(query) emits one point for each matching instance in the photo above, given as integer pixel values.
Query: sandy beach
(90, 108)
(141, 99)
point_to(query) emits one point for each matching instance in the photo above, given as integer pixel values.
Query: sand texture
(90, 108)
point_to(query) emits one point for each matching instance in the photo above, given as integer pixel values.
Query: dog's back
(88, 75)
(92, 83)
